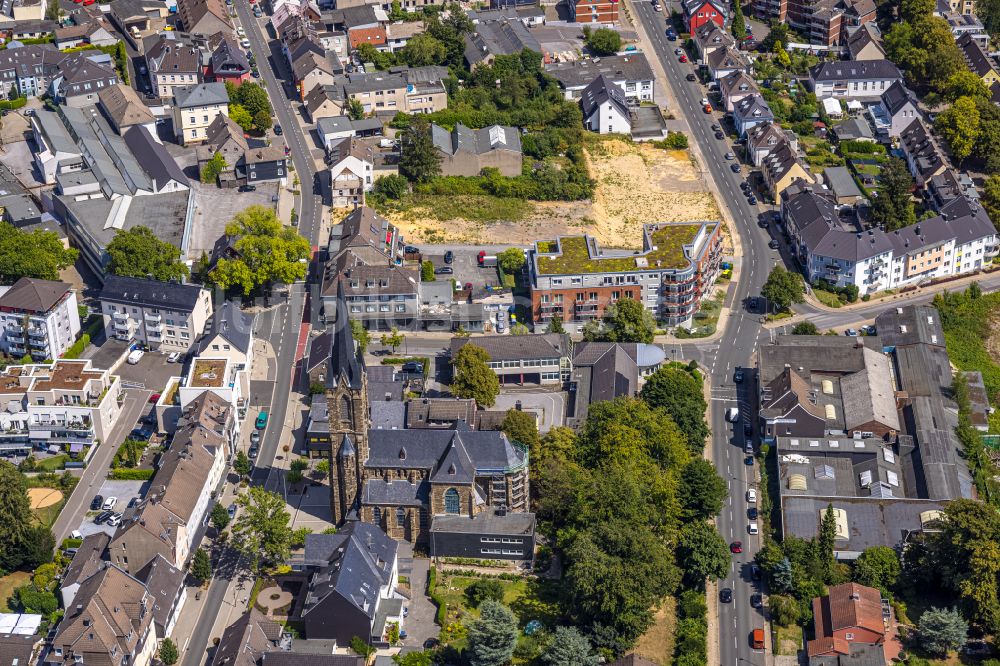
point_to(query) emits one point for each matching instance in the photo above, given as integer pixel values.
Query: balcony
(154, 327)
(119, 316)
(16, 339)
(121, 326)
(124, 337)
(154, 318)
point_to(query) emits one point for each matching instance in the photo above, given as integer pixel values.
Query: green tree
(569, 648)
(252, 96)
(483, 589)
(355, 109)
(511, 260)
(414, 659)
(361, 336)
(138, 253)
(604, 42)
(519, 329)
(966, 83)
(201, 565)
(521, 427)
(556, 323)
(702, 490)
(262, 120)
(959, 126)
(381, 59)
(242, 464)
(941, 630)
(393, 339)
(36, 254)
(392, 186)
(739, 25)
(783, 288)
(322, 467)
(422, 50)
(213, 167)
(362, 648)
(627, 429)
(702, 553)
(15, 516)
(878, 567)
(220, 517)
(294, 477)
(893, 207)
(784, 609)
(427, 271)
(32, 600)
(680, 394)
(267, 252)
(627, 320)
(473, 377)
(781, 56)
(168, 651)
(923, 50)
(261, 532)
(239, 115)
(492, 636)
(419, 159)
(805, 328)
(827, 539)
(37, 547)
(991, 199)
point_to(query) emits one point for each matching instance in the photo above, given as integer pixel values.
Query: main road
(737, 345)
(284, 322)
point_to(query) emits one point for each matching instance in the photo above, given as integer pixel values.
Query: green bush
(11, 104)
(72, 543)
(691, 647)
(441, 617)
(674, 141)
(131, 474)
(78, 347)
(862, 147)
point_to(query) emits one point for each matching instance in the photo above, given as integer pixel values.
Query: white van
(733, 414)
(752, 528)
(134, 356)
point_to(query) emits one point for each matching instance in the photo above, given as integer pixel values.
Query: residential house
(575, 278)
(332, 129)
(64, 405)
(95, 33)
(165, 584)
(825, 22)
(247, 640)
(699, 12)
(782, 167)
(22, 644)
(710, 36)
(948, 186)
(735, 87)
(111, 621)
(923, 156)
(352, 167)
(368, 238)
(498, 37)
(25, 70)
(398, 34)
(896, 110)
(629, 71)
(166, 522)
(853, 129)
(605, 109)
(865, 43)
(160, 315)
(963, 24)
(231, 335)
(841, 183)
(978, 60)
(608, 370)
(195, 108)
(749, 112)
(520, 359)
(723, 62)
(88, 560)
(380, 297)
(410, 90)
(849, 613)
(444, 413)
(172, 64)
(204, 17)
(123, 109)
(764, 139)
(855, 79)
(39, 317)
(244, 163)
(78, 78)
(352, 589)
(228, 63)
(466, 152)
(593, 11)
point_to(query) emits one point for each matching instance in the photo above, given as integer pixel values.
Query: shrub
(483, 589)
(131, 474)
(11, 104)
(77, 348)
(674, 141)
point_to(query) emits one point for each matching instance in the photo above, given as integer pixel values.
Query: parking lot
(550, 405)
(124, 491)
(151, 372)
(465, 266)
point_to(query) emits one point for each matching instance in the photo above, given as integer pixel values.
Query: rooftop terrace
(575, 254)
(209, 372)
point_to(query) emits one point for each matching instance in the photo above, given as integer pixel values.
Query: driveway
(151, 372)
(549, 405)
(419, 623)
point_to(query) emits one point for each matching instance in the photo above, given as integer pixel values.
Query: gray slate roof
(855, 70)
(233, 324)
(518, 347)
(151, 293)
(31, 295)
(580, 73)
(426, 449)
(603, 90)
(477, 142)
(154, 158)
(203, 94)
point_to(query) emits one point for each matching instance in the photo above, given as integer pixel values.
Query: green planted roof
(575, 257)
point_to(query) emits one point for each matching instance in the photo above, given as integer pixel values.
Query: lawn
(530, 599)
(7, 586)
(787, 640)
(53, 463)
(827, 298)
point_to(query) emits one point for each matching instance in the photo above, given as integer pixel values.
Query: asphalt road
(739, 342)
(279, 325)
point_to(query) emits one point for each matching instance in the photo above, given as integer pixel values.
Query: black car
(142, 433)
(97, 503)
(252, 453)
(103, 516)
(726, 595)
(671, 37)
(748, 461)
(752, 200)
(774, 244)
(745, 186)
(444, 270)
(278, 130)
(410, 249)
(755, 572)
(735, 168)
(691, 77)
(756, 601)
(738, 376)
(752, 513)
(449, 257)
(762, 223)
(720, 135)
(248, 188)
(413, 367)
(716, 128)
(132, 502)
(747, 429)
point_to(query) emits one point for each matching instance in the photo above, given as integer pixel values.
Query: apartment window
(355, 308)
(205, 118)
(170, 333)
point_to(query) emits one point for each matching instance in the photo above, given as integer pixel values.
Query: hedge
(78, 347)
(131, 474)
(11, 104)
(441, 617)
(691, 638)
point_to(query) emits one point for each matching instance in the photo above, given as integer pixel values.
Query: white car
(134, 356)
(752, 496)
(752, 528)
(241, 32)
(109, 503)
(173, 357)
(704, 101)
(115, 520)
(245, 43)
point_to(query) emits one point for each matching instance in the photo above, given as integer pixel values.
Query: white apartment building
(162, 315)
(38, 317)
(69, 405)
(195, 108)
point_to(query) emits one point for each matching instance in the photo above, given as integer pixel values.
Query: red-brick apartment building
(593, 11)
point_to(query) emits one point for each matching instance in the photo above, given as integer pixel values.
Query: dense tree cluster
(249, 106)
(23, 543)
(626, 320)
(35, 254)
(267, 252)
(923, 46)
(473, 377)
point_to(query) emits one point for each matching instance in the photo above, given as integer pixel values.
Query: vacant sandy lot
(636, 184)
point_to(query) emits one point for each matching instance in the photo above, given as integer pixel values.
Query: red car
(683, 58)
(154, 397)
(736, 547)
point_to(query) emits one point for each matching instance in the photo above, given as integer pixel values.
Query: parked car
(135, 500)
(115, 520)
(691, 77)
(96, 503)
(735, 168)
(231, 511)
(730, 156)
(248, 188)
(748, 461)
(413, 367)
(278, 130)
(255, 437)
(752, 200)
(109, 503)
(101, 517)
(752, 496)
(444, 270)
(411, 249)
(678, 51)
(173, 357)
(851, 333)
(720, 135)
(774, 244)
(261, 420)
(449, 257)
(245, 43)
(683, 58)
(134, 356)
(154, 397)
(756, 601)
(738, 375)
(141, 433)
(253, 451)
(752, 528)
(752, 513)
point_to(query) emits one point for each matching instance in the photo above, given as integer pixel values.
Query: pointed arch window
(400, 516)
(378, 515)
(452, 503)
(345, 410)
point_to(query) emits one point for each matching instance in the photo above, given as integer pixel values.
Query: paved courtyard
(124, 491)
(312, 508)
(549, 405)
